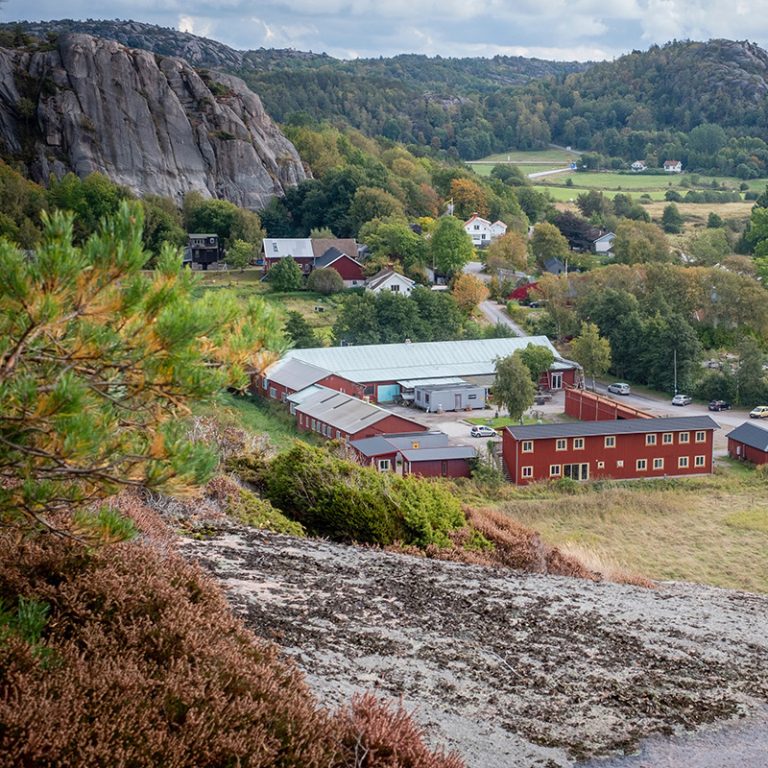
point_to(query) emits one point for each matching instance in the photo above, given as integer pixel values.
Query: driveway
(496, 314)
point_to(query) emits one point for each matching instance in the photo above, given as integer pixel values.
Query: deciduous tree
(510, 251)
(547, 243)
(513, 387)
(469, 291)
(325, 280)
(592, 351)
(286, 276)
(451, 246)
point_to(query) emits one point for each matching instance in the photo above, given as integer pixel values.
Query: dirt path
(509, 669)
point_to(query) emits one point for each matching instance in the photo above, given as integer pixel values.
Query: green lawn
(548, 156)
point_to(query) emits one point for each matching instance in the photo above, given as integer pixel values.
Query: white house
(638, 166)
(483, 231)
(389, 280)
(605, 243)
(673, 166)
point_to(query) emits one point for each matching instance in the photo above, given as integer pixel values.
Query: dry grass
(711, 530)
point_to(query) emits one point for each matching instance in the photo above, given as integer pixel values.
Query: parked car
(719, 405)
(482, 431)
(760, 412)
(619, 388)
(682, 400)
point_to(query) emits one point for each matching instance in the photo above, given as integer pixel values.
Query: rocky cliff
(151, 123)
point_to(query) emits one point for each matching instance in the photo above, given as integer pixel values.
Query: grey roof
(343, 412)
(423, 360)
(345, 245)
(331, 255)
(617, 427)
(554, 266)
(281, 247)
(303, 394)
(447, 387)
(750, 434)
(413, 383)
(439, 454)
(383, 275)
(296, 374)
(372, 446)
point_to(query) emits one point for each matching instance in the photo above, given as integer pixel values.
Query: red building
(749, 442)
(588, 406)
(344, 417)
(278, 382)
(428, 454)
(312, 253)
(620, 449)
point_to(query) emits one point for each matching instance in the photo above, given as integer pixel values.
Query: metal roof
(281, 247)
(303, 394)
(423, 360)
(412, 383)
(296, 374)
(382, 277)
(439, 454)
(750, 434)
(343, 412)
(617, 427)
(373, 446)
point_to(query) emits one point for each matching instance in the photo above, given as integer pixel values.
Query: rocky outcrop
(150, 123)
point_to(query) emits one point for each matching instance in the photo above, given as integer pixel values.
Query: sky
(551, 29)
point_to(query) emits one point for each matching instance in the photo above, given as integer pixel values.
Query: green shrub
(249, 509)
(344, 501)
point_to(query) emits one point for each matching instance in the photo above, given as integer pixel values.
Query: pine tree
(98, 363)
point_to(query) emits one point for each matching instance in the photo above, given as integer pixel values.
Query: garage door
(386, 393)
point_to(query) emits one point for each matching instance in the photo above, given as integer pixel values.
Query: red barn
(749, 442)
(622, 450)
(278, 382)
(345, 417)
(428, 454)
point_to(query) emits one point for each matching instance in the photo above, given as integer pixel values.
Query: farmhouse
(389, 280)
(749, 442)
(483, 231)
(638, 166)
(673, 166)
(428, 454)
(344, 417)
(312, 253)
(622, 450)
(380, 370)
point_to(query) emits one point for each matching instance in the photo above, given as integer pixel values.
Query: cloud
(559, 29)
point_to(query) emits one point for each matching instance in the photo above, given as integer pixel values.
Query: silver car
(619, 388)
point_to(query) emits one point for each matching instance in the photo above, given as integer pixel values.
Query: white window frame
(578, 443)
(667, 438)
(601, 465)
(526, 472)
(641, 465)
(527, 446)
(609, 441)
(384, 465)
(699, 461)
(620, 464)
(563, 441)
(684, 438)
(658, 463)
(650, 438)
(700, 437)
(682, 462)
(272, 393)
(555, 470)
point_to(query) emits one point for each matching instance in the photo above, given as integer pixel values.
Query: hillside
(507, 668)
(150, 123)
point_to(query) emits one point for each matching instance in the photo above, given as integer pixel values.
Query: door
(457, 402)
(386, 393)
(556, 380)
(576, 471)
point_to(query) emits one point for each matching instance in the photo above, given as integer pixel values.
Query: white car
(682, 400)
(619, 388)
(759, 412)
(482, 431)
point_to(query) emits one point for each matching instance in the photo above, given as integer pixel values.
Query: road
(539, 174)
(497, 314)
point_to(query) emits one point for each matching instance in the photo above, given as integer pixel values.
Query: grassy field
(247, 284)
(711, 530)
(550, 156)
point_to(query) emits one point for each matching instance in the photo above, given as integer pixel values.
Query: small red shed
(749, 442)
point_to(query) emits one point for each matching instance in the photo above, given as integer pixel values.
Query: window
(641, 465)
(527, 446)
(561, 445)
(338, 435)
(650, 439)
(620, 463)
(701, 436)
(264, 383)
(471, 397)
(667, 438)
(314, 425)
(658, 463)
(578, 443)
(274, 248)
(395, 288)
(444, 468)
(682, 462)
(554, 470)
(698, 461)
(272, 392)
(527, 472)
(610, 441)
(576, 471)
(283, 396)
(476, 227)
(601, 465)
(383, 465)
(684, 437)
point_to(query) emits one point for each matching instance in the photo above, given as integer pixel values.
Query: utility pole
(675, 363)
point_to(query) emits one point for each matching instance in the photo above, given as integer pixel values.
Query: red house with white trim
(626, 449)
(749, 442)
(312, 253)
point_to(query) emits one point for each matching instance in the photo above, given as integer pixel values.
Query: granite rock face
(150, 123)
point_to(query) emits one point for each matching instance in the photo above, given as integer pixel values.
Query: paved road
(475, 268)
(497, 314)
(539, 174)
